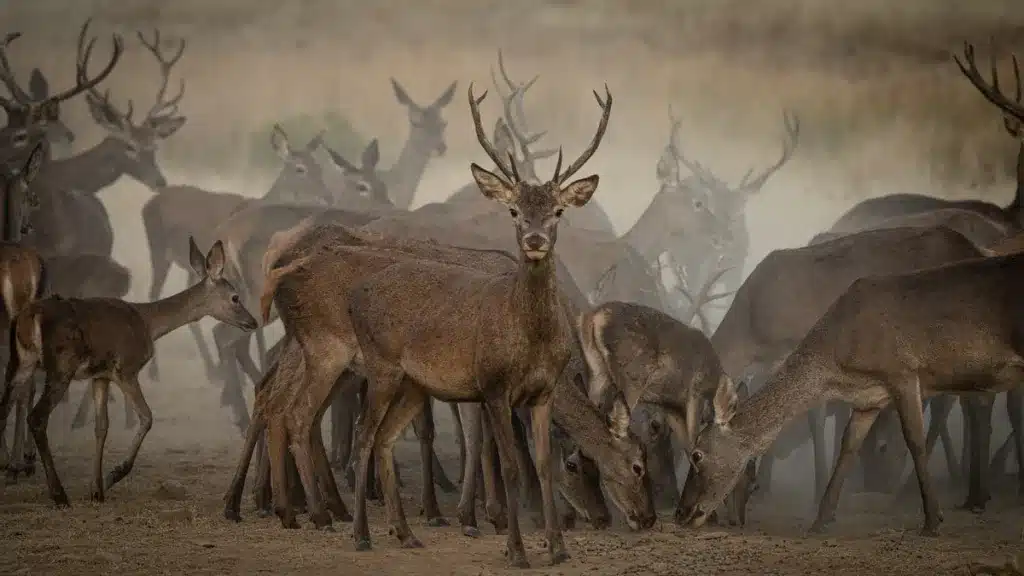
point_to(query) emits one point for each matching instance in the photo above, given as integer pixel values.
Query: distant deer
(888, 340)
(106, 340)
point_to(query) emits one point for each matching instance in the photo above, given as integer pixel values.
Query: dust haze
(882, 109)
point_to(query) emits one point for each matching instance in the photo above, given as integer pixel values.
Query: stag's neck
(404, 176)
(801, 383)
(89, 171)
(535, 296)
(168, 314)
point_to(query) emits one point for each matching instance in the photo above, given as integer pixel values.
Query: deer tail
(270, 283)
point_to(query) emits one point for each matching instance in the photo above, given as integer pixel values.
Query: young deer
(107, 340)
(887, 340)
(521, 338)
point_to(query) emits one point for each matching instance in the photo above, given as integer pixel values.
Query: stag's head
(137, 143)
(721, 457)
(217, 295)
(426, 125)
(34, 113)
(362, 179)
(536, 208)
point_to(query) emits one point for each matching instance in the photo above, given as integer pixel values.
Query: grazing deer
(887, 340)
(789, 290)
(521, 345)
(107, 340)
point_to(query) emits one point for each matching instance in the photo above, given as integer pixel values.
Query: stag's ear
(168, 126)
(195, 258)
(279, 142)
(491, 185)
(38, 87)
(401, 96)
(725, 401)
(579, 192)
(215, 261)
(35, 161)
(104, 114)
(618, 419)
(371, 155)
(446, 97)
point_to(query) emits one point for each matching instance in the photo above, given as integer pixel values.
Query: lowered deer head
(34, 113)
(134, 145)
(363, 179)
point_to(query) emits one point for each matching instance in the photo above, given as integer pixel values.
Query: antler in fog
(163, 109)
(992, 91)
(573, 168)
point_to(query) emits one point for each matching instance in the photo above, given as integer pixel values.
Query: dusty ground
(165, 519)
(883, 109)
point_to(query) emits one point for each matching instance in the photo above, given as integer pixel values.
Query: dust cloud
(882, 108)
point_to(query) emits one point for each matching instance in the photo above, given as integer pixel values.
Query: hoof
(559, 556)
(471, 531)
(363, 545)
(412, 542)
(96, 496)
(819, 527)
(326, 528)
(438, 522)
(342, 516)
(517, 559)
(11, 477)
(263, 513)
(930, 531)
(61, 500)
(30, 470)
(232, 515)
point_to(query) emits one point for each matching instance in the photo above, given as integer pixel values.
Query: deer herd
(578, 353)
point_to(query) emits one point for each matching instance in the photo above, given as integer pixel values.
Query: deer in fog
(106, 340)
(888, 340)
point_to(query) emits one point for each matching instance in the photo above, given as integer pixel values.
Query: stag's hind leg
(38, 419)
(17, 391)
(979, 407)
(100, 391)
(410, 402)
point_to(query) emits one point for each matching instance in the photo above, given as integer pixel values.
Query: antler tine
(706, 177)
(969, 68)
(704, 296)
(162, 108)
(82, 81)
(7, 75)
(606, 106)
(792, 124)
(481, 136)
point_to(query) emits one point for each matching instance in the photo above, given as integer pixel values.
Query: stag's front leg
(857, 428)
(908, 406)
(18, 378)
(423, 423)
(541, 424)
(472, 428)
(38, 418)
(980, 407)
(500, 413)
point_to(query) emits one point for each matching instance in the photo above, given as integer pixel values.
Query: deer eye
(235, 299)
(363, 187)
(558, 212)
(513, 212)
(638, 470)
(697, 457)
(570, 466)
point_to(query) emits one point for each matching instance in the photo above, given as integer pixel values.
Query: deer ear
(618, 419)
(725, 401)
(195, 258)
(38, 87)
(371, 155)
(446, 97)
(279, 142)
(35, 161)
(401, 96)
(579, 192)
(215, 260)
(168, 126)
(491, 185)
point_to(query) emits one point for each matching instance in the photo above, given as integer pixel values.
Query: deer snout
(441, 149)
(692, 516)
(536, 245)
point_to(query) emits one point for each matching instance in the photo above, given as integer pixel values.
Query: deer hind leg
(980, 407)
(233, 497)
(277, 452)
(857, 428)
(232, 393)
(19, 461)
(939, 408)
(410, 402)
(441, 479)
(1015, 412)
(344, 403)
(423, 423)
(500, 413)
(816, 425)
(541, 427)
(325, 479)
(132, 392)
(494, 485)
(907, 401)
(530, 483)
(460, 437)
(17, 391)
(38, 419)
(100, 390)
(472, 429)
(31, 452)
(301, 446)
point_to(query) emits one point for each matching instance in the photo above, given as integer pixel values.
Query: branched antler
(164, 109)
(573, 168)
(507, 169)
(704, 297)
(992, 91)
(515, 119)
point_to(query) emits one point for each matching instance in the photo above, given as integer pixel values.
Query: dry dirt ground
(882, 107)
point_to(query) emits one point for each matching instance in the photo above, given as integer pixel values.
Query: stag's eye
(235, 299)
(638, 470)
(363, 187)
(558, 212)
(570, 466)
(696, 457)
(513, 212)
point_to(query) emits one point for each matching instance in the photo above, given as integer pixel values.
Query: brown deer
(107, 340)
(888, 340)
(789, 290)
(522, 343)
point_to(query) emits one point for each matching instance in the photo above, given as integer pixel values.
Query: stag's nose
(441, 149)
(536, 245)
